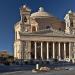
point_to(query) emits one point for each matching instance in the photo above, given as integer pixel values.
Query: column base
(47, 59)
(59, 59)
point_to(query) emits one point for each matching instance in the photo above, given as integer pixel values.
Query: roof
(41, 13)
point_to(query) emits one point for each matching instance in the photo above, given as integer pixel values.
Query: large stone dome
(41, 14)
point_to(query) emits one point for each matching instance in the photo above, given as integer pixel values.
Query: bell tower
(70, 23)
(20, 46)
(25, 18)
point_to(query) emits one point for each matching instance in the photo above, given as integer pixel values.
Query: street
(27, 70)
(66, 72)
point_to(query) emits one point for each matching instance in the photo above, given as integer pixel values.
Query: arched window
(25, 19)
(33, 28)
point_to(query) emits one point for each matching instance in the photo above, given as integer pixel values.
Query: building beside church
(4, 53)
(40, 35)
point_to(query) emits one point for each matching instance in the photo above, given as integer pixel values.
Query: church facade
(41, 35)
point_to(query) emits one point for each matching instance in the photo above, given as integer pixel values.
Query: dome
(41, 13)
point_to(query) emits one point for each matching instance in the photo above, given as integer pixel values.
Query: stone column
(64, 51)
(53, 50)
(41, 50)
(29, 50)
(59, 52)
(35, 50)
(36, 28)
(70, 51)
(47, 51)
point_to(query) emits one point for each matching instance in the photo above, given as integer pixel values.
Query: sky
(9, 15)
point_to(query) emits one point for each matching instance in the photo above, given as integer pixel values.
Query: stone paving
(26, 70)
(67, 72)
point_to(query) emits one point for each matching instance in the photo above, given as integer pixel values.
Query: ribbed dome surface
(41, 13)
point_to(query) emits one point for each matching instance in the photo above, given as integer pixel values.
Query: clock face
(25, 19)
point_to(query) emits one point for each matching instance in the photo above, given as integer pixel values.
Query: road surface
(66, 72)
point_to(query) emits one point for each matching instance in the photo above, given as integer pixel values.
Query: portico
(49, 48)
(53, 51)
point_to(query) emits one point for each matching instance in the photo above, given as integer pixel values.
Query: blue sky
(9, 15)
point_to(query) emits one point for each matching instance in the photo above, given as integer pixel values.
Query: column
(70, 51)
(59, 53)
(29, 50)
(36, 29)
(41, 50)
(47, 51)
(64, 51)
(53, 50)
(35, 50)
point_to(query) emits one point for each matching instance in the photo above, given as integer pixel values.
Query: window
(33, 28)
(24, 19)
(60, 29)
(47, 27)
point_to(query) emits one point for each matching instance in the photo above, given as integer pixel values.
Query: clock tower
(25, 18)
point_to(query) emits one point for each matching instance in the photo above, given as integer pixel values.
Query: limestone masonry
(40, 35)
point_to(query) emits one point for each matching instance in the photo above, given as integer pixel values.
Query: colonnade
(53, 50)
